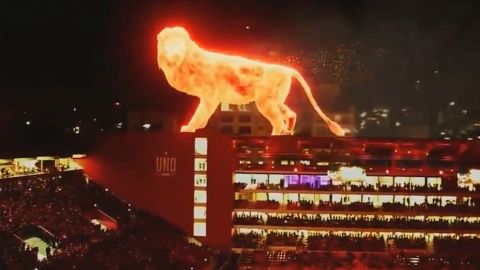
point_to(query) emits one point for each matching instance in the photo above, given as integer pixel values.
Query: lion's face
(172, 46)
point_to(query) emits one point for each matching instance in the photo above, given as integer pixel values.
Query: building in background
(246, 120)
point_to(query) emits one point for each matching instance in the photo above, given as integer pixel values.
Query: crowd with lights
(57, 208)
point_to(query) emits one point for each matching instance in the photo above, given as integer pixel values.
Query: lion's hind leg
(290, 118)
(271, 111)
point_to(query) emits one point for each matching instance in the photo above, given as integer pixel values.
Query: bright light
(199, 229)
(27, 163)
(397, 124)
(146, 126)
(352, 173)
(201, 146)
(27, 123)
(452, 103)
(79, 155)
(475, 175)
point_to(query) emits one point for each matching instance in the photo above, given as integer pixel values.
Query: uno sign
(166, 165)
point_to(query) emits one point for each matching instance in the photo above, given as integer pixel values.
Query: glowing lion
(216, 78)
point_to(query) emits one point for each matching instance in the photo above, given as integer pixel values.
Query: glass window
(200, 196)
(354, 198)
(275, 178)
(200, 212)
(402, 181)
(224, 107)
(200, 164)
(226, 129)
(434, 182)
(307, 197)
(292, 197)
(385, 198)
(417, 200)
(371, 180)
(199, 229)
(227, 118)
(276, 197)
(242, 178)
(200, 180)
(259, 178)
(261, 196)
(244, 130)
(201, 146)
(418, 181)
(386, 180)
(244, 118)
(336, 198)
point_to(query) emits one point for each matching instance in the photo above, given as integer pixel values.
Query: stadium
(263, 200)
(225, 135)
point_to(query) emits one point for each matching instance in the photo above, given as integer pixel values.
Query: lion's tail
(332, 125)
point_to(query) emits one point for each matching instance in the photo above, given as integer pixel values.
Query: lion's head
(172, 47)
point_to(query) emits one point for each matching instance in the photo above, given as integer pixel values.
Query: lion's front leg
(200, 118)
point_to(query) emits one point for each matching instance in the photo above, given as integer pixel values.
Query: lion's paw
(287, 132)
(187, 128)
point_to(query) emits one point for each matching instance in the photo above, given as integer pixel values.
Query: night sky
(57, 54)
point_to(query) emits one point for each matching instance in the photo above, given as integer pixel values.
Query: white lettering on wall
(166, 165)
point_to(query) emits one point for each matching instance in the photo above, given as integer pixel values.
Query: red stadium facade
(204, 182)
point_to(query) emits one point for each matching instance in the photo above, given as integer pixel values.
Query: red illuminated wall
(126, 164)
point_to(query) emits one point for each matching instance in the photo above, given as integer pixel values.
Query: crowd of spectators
(345, 243)
(276, 259)
(304, 220)
(444, 245)
(429, 188)
(449, 207)
(60, 203)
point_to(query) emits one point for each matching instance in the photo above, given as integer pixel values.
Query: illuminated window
(200, 164)
(199, 229)
(292, 197)
(434, 182)
(305, 162)
(201, 146)
(275, 197)
(200, 212)
(402, 181)
(200, 180)
(386, 180)
(200, 196)
(224, 107)
(417, 181)
(385, 198)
